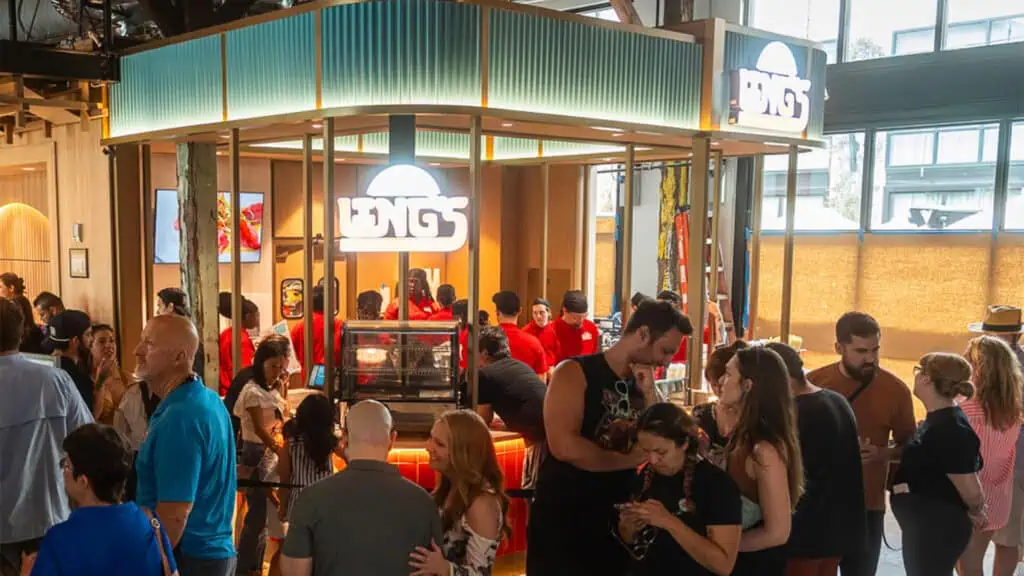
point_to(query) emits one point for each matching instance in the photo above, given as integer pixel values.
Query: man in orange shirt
(445, 299)
(577, 335)
(542, 329)
(298, 333)
(525, 348)
(884, 409)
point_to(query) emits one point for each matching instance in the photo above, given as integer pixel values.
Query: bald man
(365, 519)
(186, 465)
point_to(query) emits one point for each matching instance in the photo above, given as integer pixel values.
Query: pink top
(998, 452)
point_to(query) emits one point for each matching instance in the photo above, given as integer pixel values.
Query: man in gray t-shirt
(367, 518)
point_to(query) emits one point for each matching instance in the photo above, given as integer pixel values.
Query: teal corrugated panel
(376, 143)
(442, 144)
(401, 52)
(272, 68)
(563, 148)
(508, 148)
(557, 66)
(341, 144)
(169, 87)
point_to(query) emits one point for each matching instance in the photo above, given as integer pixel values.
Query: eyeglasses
(918, 369)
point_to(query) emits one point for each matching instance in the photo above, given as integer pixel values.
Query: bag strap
(159, 541)
(858, 391)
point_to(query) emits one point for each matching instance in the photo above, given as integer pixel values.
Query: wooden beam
(197, 209)
(626, 12)
(128, 251)
(677, 12)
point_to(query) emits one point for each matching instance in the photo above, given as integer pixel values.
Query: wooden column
(126, 203)
(330, 249)
(148, 233)
(197, 212)
(626, 287)
(579, 276)
(755, 246)
(787, 255)
(476, 176)
(716, 202)
(696, 286)
(307, 251)
(545, 175)
(236, 258)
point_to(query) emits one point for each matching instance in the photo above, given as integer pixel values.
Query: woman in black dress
(685, 517)
(936, 495)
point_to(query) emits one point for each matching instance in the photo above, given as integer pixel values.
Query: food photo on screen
(167, 243)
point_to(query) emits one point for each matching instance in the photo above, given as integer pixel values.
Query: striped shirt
(998, 452)
(305, 472)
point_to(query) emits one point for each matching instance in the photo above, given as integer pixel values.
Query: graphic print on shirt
(621, 405)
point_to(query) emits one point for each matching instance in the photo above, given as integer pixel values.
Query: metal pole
(626, 286)
(475, 185)
(941, 22)
(716, 191)
(787, 256)
(12, 20)
(147, 227)
(755, 244)
(236, 257)
(307, 251)
(329, 251)
(696, 286)
(108, 26)
(545, 174)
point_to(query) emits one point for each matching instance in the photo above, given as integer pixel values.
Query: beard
(864, 373)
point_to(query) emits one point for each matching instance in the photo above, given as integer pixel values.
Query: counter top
(413, 441)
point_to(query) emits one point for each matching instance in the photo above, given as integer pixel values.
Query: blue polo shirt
(189, 456)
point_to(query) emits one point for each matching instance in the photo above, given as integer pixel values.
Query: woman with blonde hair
(470, 496)
(994, 413)
(936, 493)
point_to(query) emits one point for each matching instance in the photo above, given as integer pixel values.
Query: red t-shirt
(298, 335)
(421, 310)
(226, 368)
(525, 348)
(680, 357)
(463, 346)
(442, 314)
(573, 341)
(548, 339)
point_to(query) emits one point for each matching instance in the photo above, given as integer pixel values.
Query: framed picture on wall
(78, 262)
(292, 299)
(337, 297)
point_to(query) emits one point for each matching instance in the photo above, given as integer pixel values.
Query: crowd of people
(785, 472)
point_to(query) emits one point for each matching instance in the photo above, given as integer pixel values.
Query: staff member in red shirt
(460, 310)
(250, 321)
(673, 298)
(542, 329)
(577, 336)
(298, 333)
(445, 299)
(421, 300)
(368, 305)
(524, 347)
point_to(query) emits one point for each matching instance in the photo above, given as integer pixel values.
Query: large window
(881, 28)
(984, 22)
(1015, 186)
(816, 20)
(602, 13)
(828, 187)
(935, 179)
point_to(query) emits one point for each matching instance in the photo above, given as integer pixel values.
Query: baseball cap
(65, 326)
(542, 302)
(507, 302)
(575, 302)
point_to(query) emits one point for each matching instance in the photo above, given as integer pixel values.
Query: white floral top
(470, 553)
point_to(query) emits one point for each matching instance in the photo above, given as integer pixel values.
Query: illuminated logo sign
(403, 211)
(772, 97)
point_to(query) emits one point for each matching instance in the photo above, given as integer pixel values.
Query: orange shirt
(443, 314)
(421, 310)
(298, 335)
(548, 339)
(226, 369)
(573, 341)
(884, 408)
(525, 348)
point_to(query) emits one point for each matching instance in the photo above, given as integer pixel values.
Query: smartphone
(623, 505)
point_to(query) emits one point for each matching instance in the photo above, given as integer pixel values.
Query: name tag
(901, 488)
(587, 336)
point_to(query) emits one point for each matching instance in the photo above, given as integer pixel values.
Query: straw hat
(999, 320)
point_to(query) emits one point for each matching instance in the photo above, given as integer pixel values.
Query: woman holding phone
(686, 514)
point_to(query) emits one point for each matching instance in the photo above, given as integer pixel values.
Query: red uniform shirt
(573, 341)
(226, 369)
(548, 339)
(443, 314)
(463, 346)
(680, 357)
(298, 335)
(525, 348)
(418, 310)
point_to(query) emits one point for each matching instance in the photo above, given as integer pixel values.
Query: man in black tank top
(589, 414)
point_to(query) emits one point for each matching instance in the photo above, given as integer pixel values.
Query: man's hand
(27, 562)
(643, 374)
(871, 453)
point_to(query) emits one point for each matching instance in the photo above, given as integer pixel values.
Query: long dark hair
(273, 346)
(175, 297)
(16, 283)
(767, 413)
(28, 320)
(421, 275)
(668, 421)
(313, 425)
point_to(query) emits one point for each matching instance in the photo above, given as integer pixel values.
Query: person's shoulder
(484, 515)
(824, 375)
(893, 385)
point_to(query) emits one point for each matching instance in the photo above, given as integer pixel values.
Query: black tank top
(611, 406)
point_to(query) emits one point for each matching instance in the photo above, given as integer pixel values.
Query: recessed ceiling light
(607, 129)
(643, 148)
(435, 163)
(607, 159)
(507, 124)
(317, 125)
(28, 168)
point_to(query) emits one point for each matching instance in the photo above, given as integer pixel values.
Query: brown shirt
(884, 408)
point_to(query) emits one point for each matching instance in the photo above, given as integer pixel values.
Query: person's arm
(78, 414)
(484, 519)
(45, 561)
(178, 460)
(973, 495)
(717, 552)
(296, 566)
(297, 551)
(174, 516)
(262, 427)
(284, 474)
(773, 494)
(563, 416)
(903, 425)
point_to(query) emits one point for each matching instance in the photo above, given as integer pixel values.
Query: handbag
(158, 532)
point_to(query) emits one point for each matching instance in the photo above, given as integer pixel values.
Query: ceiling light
(643, 148)
(607, 129)
(507, 124)
(435, 163)
(28, 168)
(317, 125)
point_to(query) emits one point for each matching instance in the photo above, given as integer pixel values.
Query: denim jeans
(253, 540)
(188, 566)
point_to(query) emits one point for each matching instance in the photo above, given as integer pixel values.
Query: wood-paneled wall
(25, 229)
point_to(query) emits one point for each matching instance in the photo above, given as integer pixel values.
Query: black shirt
(516, 393)
(944, 444)
(715, 502)
(82, 381)
(32, 341)
(833, 480)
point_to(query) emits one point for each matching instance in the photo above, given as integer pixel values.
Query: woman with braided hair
(686, 515)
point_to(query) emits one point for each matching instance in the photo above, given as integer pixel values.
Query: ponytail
(964, 388)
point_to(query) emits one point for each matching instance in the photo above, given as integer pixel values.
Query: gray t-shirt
(365, 519)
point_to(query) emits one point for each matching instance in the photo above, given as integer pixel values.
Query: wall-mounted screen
(166, 247)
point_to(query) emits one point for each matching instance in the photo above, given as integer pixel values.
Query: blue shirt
(189, 456)
(103, 541)
(39, 406)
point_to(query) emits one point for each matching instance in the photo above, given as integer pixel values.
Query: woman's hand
(429, 562)
(652, 512)
(27, 562)
(979, 516)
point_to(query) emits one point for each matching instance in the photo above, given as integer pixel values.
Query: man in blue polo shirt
(186, 466)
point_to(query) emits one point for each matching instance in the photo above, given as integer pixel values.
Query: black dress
(714, 501)
(572, 518)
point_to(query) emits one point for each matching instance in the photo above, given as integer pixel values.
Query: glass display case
(413, 367)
